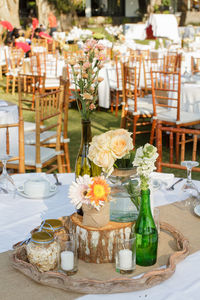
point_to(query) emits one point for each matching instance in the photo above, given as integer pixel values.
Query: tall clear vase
(83, 164)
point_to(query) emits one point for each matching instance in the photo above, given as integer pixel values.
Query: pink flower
(89, 45)
(92, 106)
(86, 65)
(100, 47)
(101, 56)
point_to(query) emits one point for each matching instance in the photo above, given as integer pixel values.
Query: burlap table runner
(14, 285)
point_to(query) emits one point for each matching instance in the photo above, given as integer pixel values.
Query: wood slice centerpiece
(97, 245)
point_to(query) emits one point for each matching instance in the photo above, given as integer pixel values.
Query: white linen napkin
(165, 179)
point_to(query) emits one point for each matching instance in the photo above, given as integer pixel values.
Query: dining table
(20, 214)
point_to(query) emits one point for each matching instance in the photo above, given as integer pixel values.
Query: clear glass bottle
(43, 251)
(146, 233)
(83, 164)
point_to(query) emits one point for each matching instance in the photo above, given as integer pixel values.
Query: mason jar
(54, 226)
(43, 251)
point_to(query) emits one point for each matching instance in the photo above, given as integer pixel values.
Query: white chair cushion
(171, 116)
(29, 126)
(30, 153)
(29, 138)
(52, 82)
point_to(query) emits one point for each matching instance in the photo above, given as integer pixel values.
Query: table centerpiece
(113, 151)
(85, 70)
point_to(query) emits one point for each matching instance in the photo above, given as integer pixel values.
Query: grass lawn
(101, 122)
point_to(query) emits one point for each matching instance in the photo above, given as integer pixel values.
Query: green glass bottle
(146, 233)
(83, 164)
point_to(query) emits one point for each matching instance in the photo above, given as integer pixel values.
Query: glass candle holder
(68, 262)
(126, 254)
(156, 216)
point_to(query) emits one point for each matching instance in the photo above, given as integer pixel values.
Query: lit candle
(125, 259)
(67, 260)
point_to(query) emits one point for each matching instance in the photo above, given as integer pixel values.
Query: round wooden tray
(118, 284)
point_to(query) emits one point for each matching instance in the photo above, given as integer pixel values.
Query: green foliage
(126, 161)
(65, 6)
(108, 20)
(134, 192)
(165, 2)
(98, 36)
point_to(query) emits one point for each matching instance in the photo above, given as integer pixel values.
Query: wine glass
(6, 182)
(189, 187)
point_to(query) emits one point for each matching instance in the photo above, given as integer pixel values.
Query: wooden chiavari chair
(17, 160)
(166, 88)
(188, 144)
(115, 83)
(13, 65)
(48, 117)
(155, 64)
(25, 95)
(136, 111)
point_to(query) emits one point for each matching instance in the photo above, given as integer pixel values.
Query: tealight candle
(125, 259)
(67, 260)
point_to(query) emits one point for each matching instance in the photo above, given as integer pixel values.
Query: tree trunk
(98, 245)
(9, 11)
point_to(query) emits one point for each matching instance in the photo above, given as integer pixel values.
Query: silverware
(56, 178)
(171, 188)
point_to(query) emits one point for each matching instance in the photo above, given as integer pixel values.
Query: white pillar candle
(125, 259)
(67, 260)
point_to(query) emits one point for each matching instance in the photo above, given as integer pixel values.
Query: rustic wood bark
(114, 285)
(97, 245)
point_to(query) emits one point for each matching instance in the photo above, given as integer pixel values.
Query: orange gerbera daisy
(98, 191)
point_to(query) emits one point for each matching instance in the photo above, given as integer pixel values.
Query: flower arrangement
(85, 70)
(145, 162)
(113, 148)
(92, 191)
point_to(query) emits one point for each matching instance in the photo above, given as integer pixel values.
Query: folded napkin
(165, 178)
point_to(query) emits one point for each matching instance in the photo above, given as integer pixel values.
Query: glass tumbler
(68, 262)
(126, 254)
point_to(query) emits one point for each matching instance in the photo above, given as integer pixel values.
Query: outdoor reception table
(18, 216)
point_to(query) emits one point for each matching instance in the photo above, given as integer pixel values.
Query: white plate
(197, 210)
(50, 194)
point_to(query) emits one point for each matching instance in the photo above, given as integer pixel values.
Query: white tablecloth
(190, 97)
(19, 215)
(164, 25)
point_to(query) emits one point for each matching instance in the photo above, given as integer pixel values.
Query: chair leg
(153, 127)
(177, 146)
(59, 161)
(1, 77)
(7, 83)
(13, 85)
(135, 119)
(111, 102)
(117, 103)
(66, 152)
